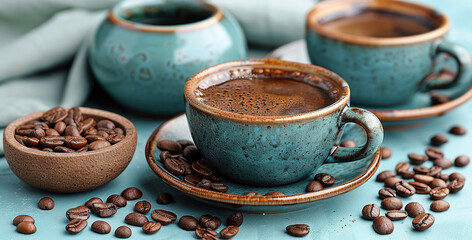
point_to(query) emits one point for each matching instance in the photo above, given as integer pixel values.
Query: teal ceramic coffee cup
(145, 50)
(275, 150)
(384, 71)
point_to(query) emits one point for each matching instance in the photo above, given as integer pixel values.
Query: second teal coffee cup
(145, 50)
(384, 71)
(274, 150)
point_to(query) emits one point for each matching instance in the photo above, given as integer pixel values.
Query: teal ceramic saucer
(412, 113)
(348, 176)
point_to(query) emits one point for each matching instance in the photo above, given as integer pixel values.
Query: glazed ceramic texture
(147, 70)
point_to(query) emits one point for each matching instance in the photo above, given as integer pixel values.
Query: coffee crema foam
(266, 96)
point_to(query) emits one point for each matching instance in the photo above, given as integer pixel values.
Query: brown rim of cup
(115, 16)
(327, 7)
(311, 70)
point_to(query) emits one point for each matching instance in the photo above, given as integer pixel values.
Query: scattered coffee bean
(136, 219)
(26, 227)
(184, 143)
(382, 225)
(80, 212)
(434, 153)
(118, 200)
(209, 221)
(417, 159)
(404, 189)
(200, 232)
(421, 170)
(104, 210)
(395, 215)
(314, 186)
(461, 161)
(169, 145)
(252, 194)
(188, 223)
(325, 179)
(164, 155)
(205, 183)
(123, 232)
(235, 219)
(407, 174)
(402, 167)
(444, 177)
(164, 217)
(386, 152)
(165, 198)
(142, 207)
(414, 209)
(54, 115)
(91, 201)
(298, 230)
(219, 187)
(391, 181)
(420, 187)
(456, 185)
(151, 227)
(456, 175)
(201, 169)
(386, 193)
(391, 203)
(439, 193)
(370, 211)
(98, 145)
(439, 206)
(438, 140)
(132, 193)
(381, 177)
(175, 166)
(229, 232)
(22, 218)
(443, 163)
(458, 130)
(101, 227)
(348, 144)
(46, 203)
(76, 225)
(192, 179)
(191, 153)
(423, 178)
(423, 221)
(434, 171)
(437, 182)
(274, 194)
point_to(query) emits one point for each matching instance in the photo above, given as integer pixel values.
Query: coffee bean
(93, 137)
(86, 125)
(417, 159)
(252, 194)
(438, 140)
(404, 189)
(370, 211)
(123, 232)
(298, 230)
(132, 193)
(274, 194)
(63, 149)
(165, 198)
(348, 144)
(72, 130)
(420, 188)
(209, 221)
(391, 181)
(115, 138)
(382, 225)
(31, 142)
(83, 149)
(386, 152)
(142, 207)
(443, 163)
(437, 182)
(191, 153)
(75, 142)
(26, 227)
(76, 225)
(219, 187)
(169, 145)
(421, 170)
(434, 153)
(105, 124)
(37, 132)
(75, 114)
(435, 171)
(402, 167)
(391, 203)
(200, 232)
(188, 223)
(104, 210)
(314, 186)
(229, 232)
(184, 143)
(164, 217)
(456, 185)
(22, 218)
(174, 166)
(461, 161)
(209, 237)
(439, 206)
(118, 200)
(25, 130)
(456, 175)
(201, 169)
(414, 209)
(444, 177)
(101, 227)
(51, 132)
(21, 139)
(437, 98)
(48, 150)
(458, 130)
(136, 219)
(46, 203)
(325, 179)
(381, 177)
(395, 215)
(423, 221)
(164, 155)
(407, 174)
(99, 145)
(80, 212)
(192, 179)
(54, 115)
(439, 193)
(205, 183)
(235, 219)
(91, 201)
(423, 178)
(60, 127)
(386, 193)
(151, 227)
(102, 134)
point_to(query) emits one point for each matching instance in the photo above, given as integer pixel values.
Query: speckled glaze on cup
(275, 150)
(145, 67)
(384, 71)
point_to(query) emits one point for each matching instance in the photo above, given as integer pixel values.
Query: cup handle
(372, 127)
(464, 66)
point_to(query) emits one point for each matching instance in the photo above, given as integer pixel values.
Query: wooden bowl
(70, 172)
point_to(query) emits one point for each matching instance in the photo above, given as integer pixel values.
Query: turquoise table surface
(336, 218)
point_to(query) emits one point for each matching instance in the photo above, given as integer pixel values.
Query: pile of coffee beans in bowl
(68, 131)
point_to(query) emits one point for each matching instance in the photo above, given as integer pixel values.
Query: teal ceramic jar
(144, 51)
